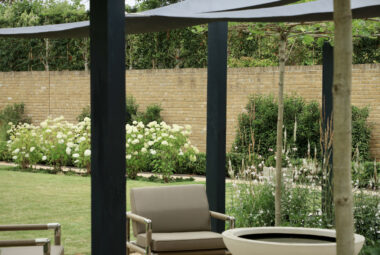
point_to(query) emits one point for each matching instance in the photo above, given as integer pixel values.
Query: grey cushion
(181, 208)
(183, 241)
(32, 250)
(199, 252)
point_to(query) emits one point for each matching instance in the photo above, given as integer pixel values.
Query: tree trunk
(280, 120)
(342, 141)
(85, 54)
(46, 62)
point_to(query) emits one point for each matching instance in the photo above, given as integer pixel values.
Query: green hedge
(259, 124)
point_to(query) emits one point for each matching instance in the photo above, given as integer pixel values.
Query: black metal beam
(108, 204)
(216, 119)
(327, 128)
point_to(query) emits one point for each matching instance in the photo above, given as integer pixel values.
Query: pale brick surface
(182, 93)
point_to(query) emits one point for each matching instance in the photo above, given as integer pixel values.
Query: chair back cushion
(179, 208)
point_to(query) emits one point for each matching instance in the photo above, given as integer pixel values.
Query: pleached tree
(343, 198)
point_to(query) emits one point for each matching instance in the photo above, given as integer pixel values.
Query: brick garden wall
(182, 93)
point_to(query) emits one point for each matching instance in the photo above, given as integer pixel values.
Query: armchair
(174, 220)
(32, 246)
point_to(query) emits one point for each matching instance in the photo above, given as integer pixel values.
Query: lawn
(33, 198)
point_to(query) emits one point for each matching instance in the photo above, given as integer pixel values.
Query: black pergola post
(108, 204)
(327, 129)
(216, 119)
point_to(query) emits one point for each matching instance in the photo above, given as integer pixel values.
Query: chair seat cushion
(31, 250)
(183, 241)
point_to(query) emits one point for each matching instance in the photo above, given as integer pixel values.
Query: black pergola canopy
(195, 12)
(108, 25)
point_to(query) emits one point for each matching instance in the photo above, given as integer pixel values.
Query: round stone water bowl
(284, 241)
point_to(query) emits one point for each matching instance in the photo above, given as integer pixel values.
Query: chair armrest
(21, 227)
(138, 218)
(45, 242)
(148, 229)
(221, 216)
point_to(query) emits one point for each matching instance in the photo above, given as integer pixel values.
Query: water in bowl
(289, 238)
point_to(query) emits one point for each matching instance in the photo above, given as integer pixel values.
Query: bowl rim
(232, 234)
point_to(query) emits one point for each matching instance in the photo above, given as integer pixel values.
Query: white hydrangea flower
(14, 157)
(16, 151)
(140, 136)
(44, 158)
(164, 143)
(87, 153)
(75, 155)
(68, 150)
(195, 149)
(61, 141)
(152, 124)
(150, 143)
(136, 141)
(144, 150)
(153, 152)
(129, 156)
(193, 158)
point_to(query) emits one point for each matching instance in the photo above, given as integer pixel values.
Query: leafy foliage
(38, 54)
(11, 114)
(258, 126)
(248, 44)
(252, 204)
(361, 133)
(86, 113)
(152, 112)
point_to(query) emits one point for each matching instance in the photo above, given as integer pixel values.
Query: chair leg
(128, 235)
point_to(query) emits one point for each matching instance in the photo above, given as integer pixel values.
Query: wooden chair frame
(45, 242)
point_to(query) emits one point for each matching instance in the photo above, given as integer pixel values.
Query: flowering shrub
(54, 142)
(23, 144)
(158, 147)
(155, 147)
